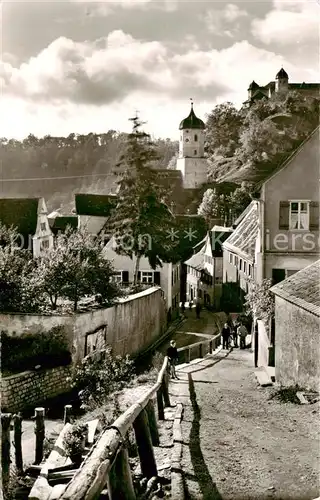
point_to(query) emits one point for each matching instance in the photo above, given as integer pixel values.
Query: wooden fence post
(40, 433)
(153, 423)
(200, 351)
(165, 392)
(160, 404)
(5, 447)
(17, 442)
(120, 484)
(144, 443)
(67, 414)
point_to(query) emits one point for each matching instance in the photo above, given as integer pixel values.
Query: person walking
(190, 305)
(225, 336)
(172, 353)
(242, 332)
(235, 334)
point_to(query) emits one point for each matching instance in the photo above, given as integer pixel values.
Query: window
(235, 260)
(244, 266)
(278, 275)
(230, 258)
(43, 226)
(299, 215)
(290, 272)
(250, 270)
(240, 264)
(44, 244)
(195, 138)
(195, 151)
(117, 277)
(146, 277)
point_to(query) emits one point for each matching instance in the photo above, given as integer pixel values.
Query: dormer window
(43, 226)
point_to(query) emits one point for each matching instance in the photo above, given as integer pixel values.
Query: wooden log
(153, 423)
(67, 414)
(144, 443)
(120, 478)
(5, 447)
(160, 404)
(40, 434)
(18, 442)
(165, 390)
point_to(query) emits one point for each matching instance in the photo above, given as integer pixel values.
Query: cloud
(289, 22)
(106, 7)
(223, 22)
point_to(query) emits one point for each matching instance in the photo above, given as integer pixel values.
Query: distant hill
(58, 167)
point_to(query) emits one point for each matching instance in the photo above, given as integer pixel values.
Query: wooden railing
(107, 465)
(199, 349)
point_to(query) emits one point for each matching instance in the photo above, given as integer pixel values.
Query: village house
(297, 320)
(59, 223)
(277, 236)
(281, 84)
(204, 268)
(167, 276)
(93, 211)
(30, 218)
(278, 233)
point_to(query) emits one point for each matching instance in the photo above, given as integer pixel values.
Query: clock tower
(191, 161)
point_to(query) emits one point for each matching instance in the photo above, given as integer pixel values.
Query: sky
(81, 66)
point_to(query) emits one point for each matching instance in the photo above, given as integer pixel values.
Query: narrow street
(238, 444)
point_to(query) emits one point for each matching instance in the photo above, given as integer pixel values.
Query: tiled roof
(21, 213)
(302, 288)
(94, 204)
(61, 223)
(196, 261)
(245, 235)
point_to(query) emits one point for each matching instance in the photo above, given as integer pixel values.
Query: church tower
(282, 80)
(191, 161)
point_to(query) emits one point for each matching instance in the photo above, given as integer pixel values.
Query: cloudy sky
(73, 66)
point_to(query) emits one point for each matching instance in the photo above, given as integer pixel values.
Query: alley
(238, 444)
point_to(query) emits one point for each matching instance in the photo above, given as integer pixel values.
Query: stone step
(271, 371)
(263, 378)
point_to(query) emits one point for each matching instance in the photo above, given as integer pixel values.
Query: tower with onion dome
(191, 161)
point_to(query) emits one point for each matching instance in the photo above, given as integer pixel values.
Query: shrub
(96, 379)
(74, 441)
(48, 349)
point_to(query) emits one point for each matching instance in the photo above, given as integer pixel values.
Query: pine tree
(141, 222)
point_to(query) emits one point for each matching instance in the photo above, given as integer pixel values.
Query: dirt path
(238, 444)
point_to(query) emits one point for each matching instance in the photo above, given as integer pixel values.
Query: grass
(287, 394)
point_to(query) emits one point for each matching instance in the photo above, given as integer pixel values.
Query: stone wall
(297, 354)
(128, 328)
(30, 388)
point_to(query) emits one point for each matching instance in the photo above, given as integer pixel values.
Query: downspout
(262, 231)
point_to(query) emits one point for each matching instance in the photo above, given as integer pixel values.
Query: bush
(48, 349)
(97, 379)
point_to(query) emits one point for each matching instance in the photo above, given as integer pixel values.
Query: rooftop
(245, 236)
(302, 288)
(94, 204)
(21, 213)
(192, 121)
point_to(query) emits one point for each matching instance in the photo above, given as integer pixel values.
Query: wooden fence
(106, 467)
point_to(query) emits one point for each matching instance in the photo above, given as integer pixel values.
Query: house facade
(297, 327)
(167, 276)
(30, 218)
(205, 268)
(279, 233)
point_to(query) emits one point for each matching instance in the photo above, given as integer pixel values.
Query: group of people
(198, 308)
(231, 333)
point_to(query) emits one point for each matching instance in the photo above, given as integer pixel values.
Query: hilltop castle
(281, 84)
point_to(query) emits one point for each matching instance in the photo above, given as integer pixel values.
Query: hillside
(58, 167)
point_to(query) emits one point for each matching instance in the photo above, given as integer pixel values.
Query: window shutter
(156, 277)
(125, 276)
(284, 209)
(314, 216)
(139, 275)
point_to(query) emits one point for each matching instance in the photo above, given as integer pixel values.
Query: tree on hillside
(222, 130)
(210, 206)
(240, 198)
(141, 221)
(75, 268)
